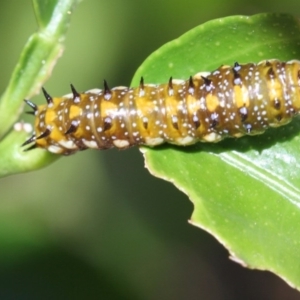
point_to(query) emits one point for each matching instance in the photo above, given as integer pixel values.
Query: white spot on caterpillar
(141, 93)
(55, 149)
(208, 88)
(154, 141)
(237, 67)
(121, 143)
(212, 137)
(187, 140)
(107, 96)
(68, 144)
(243, 110)
(174, 119)
(90, 144)
(237, 81)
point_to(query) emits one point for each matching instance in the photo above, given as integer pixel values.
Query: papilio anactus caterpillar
(232, 101)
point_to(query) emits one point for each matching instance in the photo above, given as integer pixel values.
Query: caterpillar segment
(232, 101)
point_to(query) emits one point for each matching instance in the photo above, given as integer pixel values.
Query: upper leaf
(246, 191)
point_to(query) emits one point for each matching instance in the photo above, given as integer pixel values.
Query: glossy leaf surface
(246, 192)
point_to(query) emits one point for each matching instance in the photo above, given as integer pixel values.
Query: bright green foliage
(246, 192)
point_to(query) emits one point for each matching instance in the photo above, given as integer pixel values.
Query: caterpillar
(232, 101)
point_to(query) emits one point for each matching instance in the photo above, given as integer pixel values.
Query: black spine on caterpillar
(229, 102)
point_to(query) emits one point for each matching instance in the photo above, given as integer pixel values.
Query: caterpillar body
(232, 101)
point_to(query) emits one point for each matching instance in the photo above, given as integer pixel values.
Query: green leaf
(15, 160)
(246, 192)
(32, 70)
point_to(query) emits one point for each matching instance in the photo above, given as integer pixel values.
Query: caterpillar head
(50, 131)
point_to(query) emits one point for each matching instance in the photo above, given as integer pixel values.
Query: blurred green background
(97, 225)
